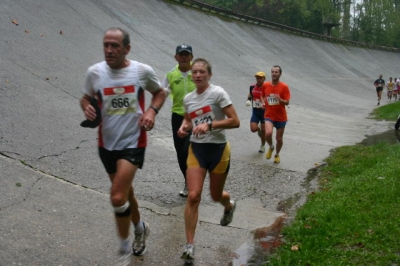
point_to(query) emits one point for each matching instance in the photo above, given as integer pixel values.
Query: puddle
(391, 136)
(265, 240)
(255, 252)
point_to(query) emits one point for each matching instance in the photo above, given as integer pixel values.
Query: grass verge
(387, 112)
(354, 218)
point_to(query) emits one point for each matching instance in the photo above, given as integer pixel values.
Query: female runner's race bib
(202, 115)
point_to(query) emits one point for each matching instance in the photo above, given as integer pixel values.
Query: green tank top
(179, 87)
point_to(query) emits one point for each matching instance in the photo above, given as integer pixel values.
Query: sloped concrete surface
(54, 207)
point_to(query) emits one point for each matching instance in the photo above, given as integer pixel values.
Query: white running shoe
(139, 245)
(184, 193)
(188, 254)
(262, 149)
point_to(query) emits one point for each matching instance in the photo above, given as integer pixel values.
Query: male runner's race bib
(257, 104)
(119, 100)
(272, 99)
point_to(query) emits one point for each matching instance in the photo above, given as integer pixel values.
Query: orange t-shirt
(273, 109)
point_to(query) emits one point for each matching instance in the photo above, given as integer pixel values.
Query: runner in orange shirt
(275, 97)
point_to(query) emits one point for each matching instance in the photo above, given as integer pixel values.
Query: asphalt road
(54, 207)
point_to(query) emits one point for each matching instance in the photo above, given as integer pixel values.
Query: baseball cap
(260, 74)
(184, 48)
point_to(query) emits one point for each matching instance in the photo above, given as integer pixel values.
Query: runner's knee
(193, 198)
(123, 211)
(117, 199)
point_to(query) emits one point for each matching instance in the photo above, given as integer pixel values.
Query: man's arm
(285, 94)
(249, 96)
(282, 101)
(166, 86)
(87, 108)
(148, 119)
(157, 100)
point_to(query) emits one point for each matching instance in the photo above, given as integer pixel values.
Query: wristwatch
(209, 125)
(154, 108)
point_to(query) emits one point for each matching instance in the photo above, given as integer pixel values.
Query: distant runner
(379, 83)
(257, 121)
(275, 97)
(396, 88)
(390, 86)
(178, 82)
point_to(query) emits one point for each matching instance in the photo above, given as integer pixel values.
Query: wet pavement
(391, 136)
(54, 207)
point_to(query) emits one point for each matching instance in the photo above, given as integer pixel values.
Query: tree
(374, 22)
(346, 19)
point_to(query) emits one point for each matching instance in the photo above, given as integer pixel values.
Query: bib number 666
(120, 102)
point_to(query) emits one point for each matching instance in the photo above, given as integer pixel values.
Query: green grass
(387, 112)
(354, 217)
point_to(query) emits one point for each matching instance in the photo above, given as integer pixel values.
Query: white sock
(124, 244)
(139, 228)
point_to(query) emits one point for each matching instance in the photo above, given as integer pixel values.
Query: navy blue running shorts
(215, 157)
